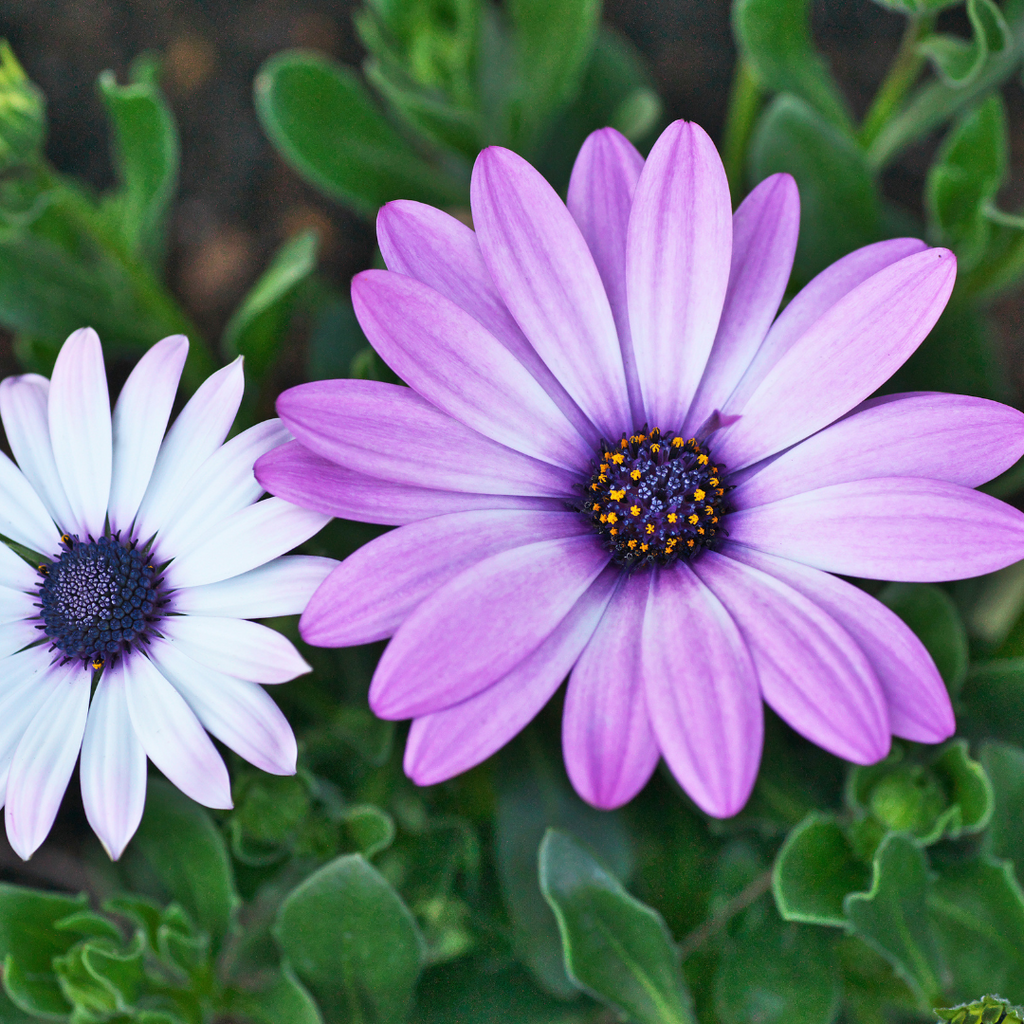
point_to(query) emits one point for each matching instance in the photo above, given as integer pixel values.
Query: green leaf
(982, 1011)
(917, 7)
(774, 37)
(368, 828)
(814, 870)
(351, 939)
(892, 916)
(839, 202)
(335, 340)
(992, 701)
(1004, 765)
(22, 113)
(285, 1001)
(615, 946)
(321, 120)
(959, 62)
(257, 328)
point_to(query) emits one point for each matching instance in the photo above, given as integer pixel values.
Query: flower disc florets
(99, 598)
(655, 497)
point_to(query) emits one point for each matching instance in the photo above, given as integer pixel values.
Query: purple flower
(614, 462)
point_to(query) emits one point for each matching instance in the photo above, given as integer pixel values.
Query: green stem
(744, 103)
(714, 924)
(901, 78)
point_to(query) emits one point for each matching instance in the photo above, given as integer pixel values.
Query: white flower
(155, 551)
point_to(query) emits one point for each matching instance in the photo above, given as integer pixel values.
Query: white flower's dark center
(99, 599)
(655, 497)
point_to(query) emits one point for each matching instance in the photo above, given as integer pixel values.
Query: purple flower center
(99, 599)
(655, 497)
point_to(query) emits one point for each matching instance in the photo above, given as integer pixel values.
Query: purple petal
(764, 234)
(888, 528)
(601, 191)
(374, 590)
(483, 623)
(546, 276)
(955, 438)
(457, 366)
(919, 707)
(811, 671)
(856, 346)
(392, 433)
(298, 475)
(702, 692)
(456, 739)
(607, 741)
(677, 268)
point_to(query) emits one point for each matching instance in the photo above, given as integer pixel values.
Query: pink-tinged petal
(600, 196)
(375, 589)
(194, 436)
(607, 741)
(430, 245)
(888, 528)
(43, 762)
(919, 707)
(113, 769)
(851, 350)
(239, 713)
(764, 234)
(955, 438)
(172, 736)
(79, 417)
(281, 587)
(545, 274)
(391, 432)
(249, 538)
(814, 300)
(677, 268)
(702, 692)
(300, 476)
(448, 742)
(449, 359)
(14, 570)
(480, 625)
(23, 406)
(140, 420)
(811, 671)
(23, 517)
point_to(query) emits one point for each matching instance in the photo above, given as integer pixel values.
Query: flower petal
(609, 748)
(702, 692)
(546, 276)
(113, 769)
(172, 736)
(23, 517)
(239, 713)
(249, 538)
(888, 528)
(811, 671)
(140, 419)
(919, 707)
(14, 570)
(846, 354)
(375, 589)
(677, 268)
(480, 625)
(17, 635)
(764, 234)
(43, 762)
(449, 359)
(79, 416)
(448, 742)
(16, 604)
(281, 587)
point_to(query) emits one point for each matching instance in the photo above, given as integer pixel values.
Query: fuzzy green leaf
(1004, 765)
(959, 62)
(22, 113)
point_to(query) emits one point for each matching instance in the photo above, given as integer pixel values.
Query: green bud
(987, 1010)
(22, 112)
(909, 798)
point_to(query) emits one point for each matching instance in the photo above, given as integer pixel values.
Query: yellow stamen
(650, 527)
(693, 520)
(612, 518)
(635, 474)
(634, 510)
(672, 517)
(618, 495)
(698, 495)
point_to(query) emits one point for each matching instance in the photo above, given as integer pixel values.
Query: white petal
(44, 760)
(281, 587)
(238, 647)
(16, 635)
(23, 517)
(16, 572)
(16, 604)
(113, 769)
(172, 736)
(250, 537)
(224, 484)
(239, 713)
(140, 419)
(23, 406)
(196, 434)
(79, 415)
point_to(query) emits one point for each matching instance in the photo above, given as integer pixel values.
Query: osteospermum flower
(614, 462)
(148, 554)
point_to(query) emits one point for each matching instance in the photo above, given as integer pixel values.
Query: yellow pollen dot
(618, 459)
(641, 437)
(698, 495)
(631, 545)
(593, 487)
(604, 519)
(719, 491)
(623, 443)
(634, 510)
(689, 543)
(677, 442)
(714, 469)
(644, 547)
(650, 527)
(613, 532)
(98, 663)
(672, 517)
(635, 474)
(692, 520)
(708, 510)
(702, 459)
(618, 495)
(713, 481)
(604, 469)
(693, 441)
(655, 448)
(671, 543)
(612, 518)
(714, 519)
(700, 529)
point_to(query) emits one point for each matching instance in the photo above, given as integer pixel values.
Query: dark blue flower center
(655, 497)
(99, 599)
